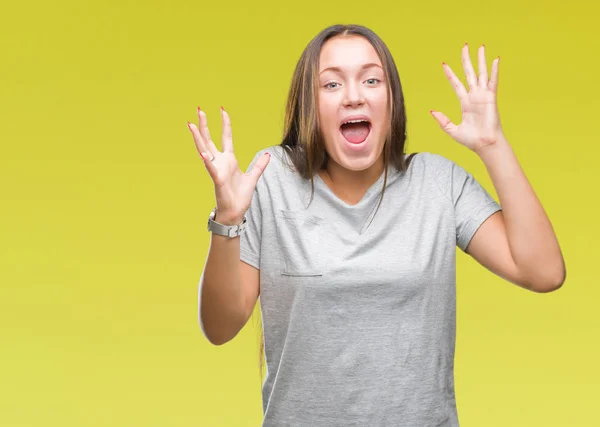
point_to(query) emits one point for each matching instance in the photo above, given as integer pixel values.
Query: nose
(353, 95)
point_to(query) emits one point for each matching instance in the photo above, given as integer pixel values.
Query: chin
(357, 165)
(354, 162)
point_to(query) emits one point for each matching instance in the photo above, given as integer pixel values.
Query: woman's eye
(373, 80)
(328, 85)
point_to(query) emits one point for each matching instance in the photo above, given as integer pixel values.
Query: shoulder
(441, 171)
(431, 164)
(434, 159)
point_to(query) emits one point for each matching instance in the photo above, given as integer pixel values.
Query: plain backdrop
(104, 199)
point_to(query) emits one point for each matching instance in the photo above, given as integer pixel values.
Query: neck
(351, 185)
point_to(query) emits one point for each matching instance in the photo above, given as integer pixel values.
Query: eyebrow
(339, 70)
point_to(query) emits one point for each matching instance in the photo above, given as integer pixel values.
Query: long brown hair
(302, 137)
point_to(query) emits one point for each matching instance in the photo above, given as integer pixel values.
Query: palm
(480, 125)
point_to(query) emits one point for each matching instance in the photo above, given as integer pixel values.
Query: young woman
(351, 243)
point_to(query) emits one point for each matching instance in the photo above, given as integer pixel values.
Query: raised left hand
(480, 126)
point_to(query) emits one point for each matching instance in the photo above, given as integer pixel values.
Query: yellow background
(105, 200)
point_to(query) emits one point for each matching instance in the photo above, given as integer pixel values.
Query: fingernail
(203, 156)
(482, 45)
(268, 154)
(431, 111)
(189, 126)
(199, 109)
(223, 109)
(466, 44)
(443, 63)
(498, 58)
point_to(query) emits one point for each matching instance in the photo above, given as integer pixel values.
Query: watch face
(210, 218)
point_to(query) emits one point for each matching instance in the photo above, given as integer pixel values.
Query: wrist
(226, 218)
(229, 225)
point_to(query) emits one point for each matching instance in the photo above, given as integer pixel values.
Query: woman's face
(352, 88)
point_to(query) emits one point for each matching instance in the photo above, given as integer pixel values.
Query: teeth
(356, 121)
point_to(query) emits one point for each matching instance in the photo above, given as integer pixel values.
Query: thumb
(259, 167)
(444, 122)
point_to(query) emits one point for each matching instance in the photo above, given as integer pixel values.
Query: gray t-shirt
(359, 311)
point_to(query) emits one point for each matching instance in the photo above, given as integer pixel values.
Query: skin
(348, 91)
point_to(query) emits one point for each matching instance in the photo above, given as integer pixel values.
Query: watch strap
(225, 230)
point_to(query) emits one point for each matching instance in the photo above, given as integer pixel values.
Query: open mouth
(356, 131)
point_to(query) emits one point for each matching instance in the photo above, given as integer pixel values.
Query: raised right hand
(233, 187)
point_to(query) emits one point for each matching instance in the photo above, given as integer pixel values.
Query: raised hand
(480, 126)
(233, 187)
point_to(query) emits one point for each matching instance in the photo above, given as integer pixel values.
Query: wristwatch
(225, 230)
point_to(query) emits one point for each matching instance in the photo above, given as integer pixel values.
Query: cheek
(379, 100)
(380, 108)
(327, 117)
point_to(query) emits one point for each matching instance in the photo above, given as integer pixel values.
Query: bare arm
(222, 302)
(518, 243)
(227, 286)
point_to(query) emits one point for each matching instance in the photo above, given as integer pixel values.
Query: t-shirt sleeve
(250, 239)
(472, 203)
